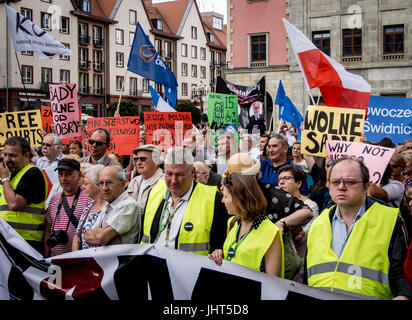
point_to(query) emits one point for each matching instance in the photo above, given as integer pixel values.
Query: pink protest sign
(376, 158)
(65, 109)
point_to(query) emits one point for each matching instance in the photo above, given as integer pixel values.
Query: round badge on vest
(231, 253)
(188, 226)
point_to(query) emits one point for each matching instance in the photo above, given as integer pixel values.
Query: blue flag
(146, 62)
(171, 96)
(158, 101)
(287, 110)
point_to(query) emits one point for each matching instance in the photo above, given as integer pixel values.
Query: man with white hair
(181, 213)
(52, 153)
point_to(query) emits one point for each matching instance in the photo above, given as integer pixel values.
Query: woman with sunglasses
(252, 240)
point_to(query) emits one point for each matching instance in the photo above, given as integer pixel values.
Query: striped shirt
(62, 219)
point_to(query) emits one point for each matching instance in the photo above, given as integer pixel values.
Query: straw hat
(242, 163)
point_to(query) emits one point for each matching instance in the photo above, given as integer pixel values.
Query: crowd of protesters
(249, 198)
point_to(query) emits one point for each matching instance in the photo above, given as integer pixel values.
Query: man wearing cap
(65, 209)
(23, 190)
(181, 213)
(99, 142)
(146, 161)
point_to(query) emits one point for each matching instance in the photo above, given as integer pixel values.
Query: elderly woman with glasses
(252, 239)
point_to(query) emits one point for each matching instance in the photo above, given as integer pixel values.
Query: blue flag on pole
(158, 101)
(146, 62)
(171, 96)
(287, 110)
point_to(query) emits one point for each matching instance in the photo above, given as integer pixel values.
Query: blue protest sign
(389, 117)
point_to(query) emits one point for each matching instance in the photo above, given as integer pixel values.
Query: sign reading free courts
(389, 117)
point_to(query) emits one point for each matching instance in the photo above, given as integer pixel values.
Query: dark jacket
(398, 248)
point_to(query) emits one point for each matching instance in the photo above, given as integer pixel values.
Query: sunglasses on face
(48, 145)
(97, 143)
(142, 159)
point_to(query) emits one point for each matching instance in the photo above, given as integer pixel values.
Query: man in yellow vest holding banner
(23, 192)
(358, 246)
(181, 213)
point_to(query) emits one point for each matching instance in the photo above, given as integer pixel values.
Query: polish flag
(339, 88)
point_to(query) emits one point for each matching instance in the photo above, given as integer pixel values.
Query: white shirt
(176, 220)
(43, 162)
(122, 215)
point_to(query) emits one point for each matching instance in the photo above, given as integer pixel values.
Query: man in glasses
(119, 221)
(52, 153)
(358, 246)
(99, 142)
(146, 160)
(181, 213)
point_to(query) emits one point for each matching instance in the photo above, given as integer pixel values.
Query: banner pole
(117, 113)
(7, 63)
(21, 77)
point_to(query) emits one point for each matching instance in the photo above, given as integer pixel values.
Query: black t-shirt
(32, 186)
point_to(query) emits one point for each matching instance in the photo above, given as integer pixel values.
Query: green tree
(190, 107)
(127, 108)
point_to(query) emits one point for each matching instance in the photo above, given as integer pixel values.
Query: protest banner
(167, 129)
(222, 109)
(46, 118)
(65, 110)
(137, 272)
(389, 117)
(26, 124)
(124, 132)
(328, 123)
(376, 158)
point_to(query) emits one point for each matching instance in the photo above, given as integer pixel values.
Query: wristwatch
(4, 180)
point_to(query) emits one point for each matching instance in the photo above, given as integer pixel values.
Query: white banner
(135, 272)
(27, 36)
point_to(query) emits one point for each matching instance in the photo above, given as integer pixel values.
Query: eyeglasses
(347, 182)
(108, 183)
(285, 178)
(48, 145)
(142, 159)
(98, 143)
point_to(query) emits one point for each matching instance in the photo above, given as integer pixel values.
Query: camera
(57, 237)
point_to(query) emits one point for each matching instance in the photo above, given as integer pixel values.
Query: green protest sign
(222, 108)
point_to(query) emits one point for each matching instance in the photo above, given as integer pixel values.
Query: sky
(218, 6)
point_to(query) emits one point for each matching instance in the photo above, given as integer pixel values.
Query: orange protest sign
(46, 118)
(124, 132)
(167, 129)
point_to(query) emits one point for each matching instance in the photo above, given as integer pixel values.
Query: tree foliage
(190, 107)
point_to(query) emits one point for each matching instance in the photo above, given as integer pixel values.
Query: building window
(131, 37)
(184, 89)
(132, 17)
(168, 49)
(212, 58)
(28, 13)
(64, 25)
(46, 75)
(84, 33)
(65, 57)
(119, 82)
(194, 52)
(84, 5)
(203, 72)
(159, 88)
(83, 82)
(219, 59)
(84, 58)
(27, 72)
(145, 85)
(158, 46)
(211, 37)
(352, 42)
(97, 36)
(321, 39)
(212, 75)
(158, 24)
(393, 39)
(194, 71)
(203, 53)
(184, 69)
(133, 86)
(64, 76)
(45, 20)
(97, 84)
(194, 33)
(97, 60)
(119, 59)
(217, 23)
(119, 36)
(184, 50)
(258, 48)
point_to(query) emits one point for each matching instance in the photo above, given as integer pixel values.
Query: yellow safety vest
(29, 221)
(252, 249)
(364, 264)
(194, 234)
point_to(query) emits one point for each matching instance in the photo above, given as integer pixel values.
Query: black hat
(68, 164)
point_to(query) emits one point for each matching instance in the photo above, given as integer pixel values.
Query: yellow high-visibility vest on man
(358, 246)
(181, 213)
(23, 192)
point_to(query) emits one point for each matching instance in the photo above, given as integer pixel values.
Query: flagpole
(22, 80)
(120, 96)
(7, 63)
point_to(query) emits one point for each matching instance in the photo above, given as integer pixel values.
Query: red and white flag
(339, 88)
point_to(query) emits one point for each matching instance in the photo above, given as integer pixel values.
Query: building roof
(153, 12)
(99, 10)
(220, 35)
(173, 12)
